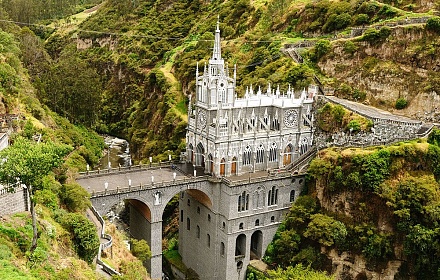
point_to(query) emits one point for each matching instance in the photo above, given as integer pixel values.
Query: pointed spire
(205, 71)
(259, 91)
(197, 69)
(251, 91)
(269, 90)
(216, 53)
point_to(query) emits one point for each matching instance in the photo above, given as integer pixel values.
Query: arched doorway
(200, 155)
(256, 245)
(288, 154)
(240, 245)
(234, 166)
(222, 167)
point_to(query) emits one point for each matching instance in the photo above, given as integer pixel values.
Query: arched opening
(256, 245)
(185, 222)
(191, 153)
(200, 155)
(288, 154)
(240, 245)
(234, 166)
(201, 197)
(222, 167)
(210, 164)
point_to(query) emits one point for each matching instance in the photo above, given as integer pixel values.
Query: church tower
(214, 88)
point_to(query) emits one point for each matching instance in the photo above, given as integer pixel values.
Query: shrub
(350, 47)
(354, 126)
(140, 249)
(325, 230)
(372, 35)
(322, 47)
(85, 237)
(75, 197)
(401, 103)
(361, 19)
(433, 24)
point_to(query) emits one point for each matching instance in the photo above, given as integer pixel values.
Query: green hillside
(127, 68)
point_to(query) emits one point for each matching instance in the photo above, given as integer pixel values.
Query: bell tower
(214, 87)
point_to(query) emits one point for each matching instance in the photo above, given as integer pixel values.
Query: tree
(75, 197)
(401, 103)
(325, 230)
(27, 163)
(85, 238)
(140, 249)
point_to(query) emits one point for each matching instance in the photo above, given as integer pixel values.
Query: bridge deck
(95, 182)
(121, 179)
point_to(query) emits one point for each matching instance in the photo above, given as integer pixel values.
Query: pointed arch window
(247, 154)
(292, 195)
(260, 154)
(243, 201)
(272, 198)
(273, 152)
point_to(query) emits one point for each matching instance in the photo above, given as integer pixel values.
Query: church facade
(264, 130)
(243, 145)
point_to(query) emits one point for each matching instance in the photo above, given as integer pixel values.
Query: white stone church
(264, 130)
(228, 220)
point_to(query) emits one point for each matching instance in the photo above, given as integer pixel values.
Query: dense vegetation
(128, 69)
(332, 118)
(394, 205)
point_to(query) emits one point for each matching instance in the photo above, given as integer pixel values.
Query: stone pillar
(156, 251)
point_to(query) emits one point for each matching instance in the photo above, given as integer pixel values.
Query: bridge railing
(280, 174)
(125, 169)
(105, 245)
(152, 185)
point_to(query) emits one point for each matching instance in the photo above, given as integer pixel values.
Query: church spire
(216, 53)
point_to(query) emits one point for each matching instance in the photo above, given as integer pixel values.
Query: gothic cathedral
(228, 219)
(264, 130)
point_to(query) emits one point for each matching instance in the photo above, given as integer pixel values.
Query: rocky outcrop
(405, 65)
(86, 43)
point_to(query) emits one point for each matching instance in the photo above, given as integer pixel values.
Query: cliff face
(405, 65)
(385, 197)
(358, 207)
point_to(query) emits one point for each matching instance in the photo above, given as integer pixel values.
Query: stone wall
(11, 203)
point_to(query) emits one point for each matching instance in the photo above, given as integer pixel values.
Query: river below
(118, 153)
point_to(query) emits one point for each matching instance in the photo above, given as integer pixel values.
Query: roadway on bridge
(120, 180)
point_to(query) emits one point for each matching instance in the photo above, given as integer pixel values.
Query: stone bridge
(148, 190)
(154, 187)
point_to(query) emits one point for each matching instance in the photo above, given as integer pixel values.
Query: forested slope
(127, 68)
(368, 213)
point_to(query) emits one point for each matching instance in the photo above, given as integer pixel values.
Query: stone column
(156, 251)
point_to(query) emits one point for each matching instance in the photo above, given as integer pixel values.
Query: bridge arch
(104, 204)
